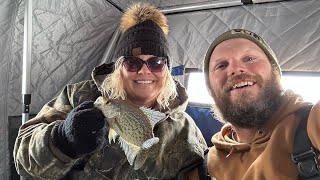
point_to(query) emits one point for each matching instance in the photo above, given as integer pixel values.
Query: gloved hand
(82, 132)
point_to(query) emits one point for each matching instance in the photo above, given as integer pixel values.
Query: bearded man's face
(244, 85)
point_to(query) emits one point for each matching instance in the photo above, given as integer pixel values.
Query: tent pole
(115, 5)
(212, 5)
(264, 1)
(26, 73)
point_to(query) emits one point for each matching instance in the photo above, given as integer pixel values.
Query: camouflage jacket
(181, 143)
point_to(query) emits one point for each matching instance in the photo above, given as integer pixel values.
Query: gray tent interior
(70, 37)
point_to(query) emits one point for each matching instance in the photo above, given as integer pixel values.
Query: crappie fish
(133, 124)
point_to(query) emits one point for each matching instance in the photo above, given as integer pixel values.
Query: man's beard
(249, 114)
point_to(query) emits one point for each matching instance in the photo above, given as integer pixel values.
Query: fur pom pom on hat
(241, 33)
(144, 30)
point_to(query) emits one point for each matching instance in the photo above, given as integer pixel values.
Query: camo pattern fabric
(181, 143)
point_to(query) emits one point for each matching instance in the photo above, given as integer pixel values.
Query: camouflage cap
(241, 33)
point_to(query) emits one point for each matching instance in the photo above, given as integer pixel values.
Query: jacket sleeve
(197, 147)
(34, 154)
(181, 148)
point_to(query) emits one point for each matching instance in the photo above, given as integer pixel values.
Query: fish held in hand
(133, 125)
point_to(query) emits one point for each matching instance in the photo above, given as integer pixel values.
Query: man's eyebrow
(249, 50)
(220, 59)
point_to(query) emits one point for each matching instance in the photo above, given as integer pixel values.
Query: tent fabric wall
(6, 38)
(70, 37)
(290, 27)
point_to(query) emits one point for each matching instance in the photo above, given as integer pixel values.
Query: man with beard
(243, 77)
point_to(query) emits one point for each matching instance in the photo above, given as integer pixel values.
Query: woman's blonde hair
(113, 86)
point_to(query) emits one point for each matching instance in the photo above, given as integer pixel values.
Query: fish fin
(140, 159)
(129, 149)
(112, 135)
(153, 116)
(150, 142)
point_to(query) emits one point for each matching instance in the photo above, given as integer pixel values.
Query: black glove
(82, 132)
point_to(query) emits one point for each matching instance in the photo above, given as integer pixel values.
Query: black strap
(245, 2)
(303, 154)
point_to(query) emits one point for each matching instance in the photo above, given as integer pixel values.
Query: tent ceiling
(68, 42)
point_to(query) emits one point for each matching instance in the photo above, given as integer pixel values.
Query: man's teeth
(246, 83)
(144, 82)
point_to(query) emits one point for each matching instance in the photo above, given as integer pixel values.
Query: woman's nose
(144, 69)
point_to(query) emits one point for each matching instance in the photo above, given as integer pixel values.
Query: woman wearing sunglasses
(146, 81)
(68, 139)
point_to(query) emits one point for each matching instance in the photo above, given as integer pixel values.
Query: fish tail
(130, 150)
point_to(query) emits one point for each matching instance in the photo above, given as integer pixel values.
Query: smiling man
(243, 77)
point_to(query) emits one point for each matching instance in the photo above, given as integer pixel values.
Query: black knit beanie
(144, 29)
(240, 33)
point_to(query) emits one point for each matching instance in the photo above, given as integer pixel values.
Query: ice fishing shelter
(70, 37)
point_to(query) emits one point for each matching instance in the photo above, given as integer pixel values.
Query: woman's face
(143, 86)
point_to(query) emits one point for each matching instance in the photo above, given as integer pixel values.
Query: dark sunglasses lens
(132, 64)
(156, 64)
